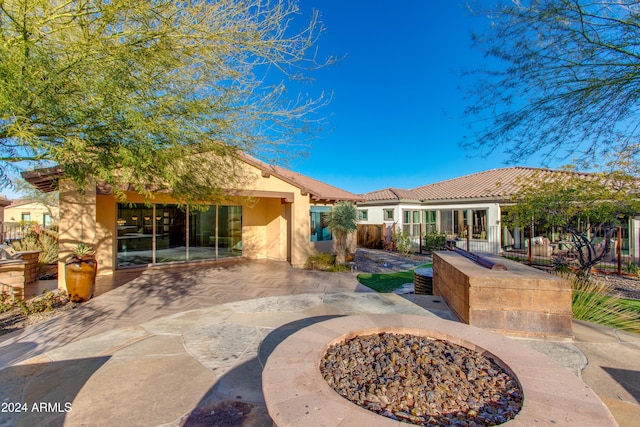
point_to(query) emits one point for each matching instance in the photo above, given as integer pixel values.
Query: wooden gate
(370, 236)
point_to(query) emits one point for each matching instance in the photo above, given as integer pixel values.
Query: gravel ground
(15, 320)
(622, 286)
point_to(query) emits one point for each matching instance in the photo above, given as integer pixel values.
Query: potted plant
(80, 273)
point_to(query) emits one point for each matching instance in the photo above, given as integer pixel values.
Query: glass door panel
(171, 234)
(135, 234)
(202, 234)
(229, 231)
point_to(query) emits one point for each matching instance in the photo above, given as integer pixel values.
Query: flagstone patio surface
(186, 346)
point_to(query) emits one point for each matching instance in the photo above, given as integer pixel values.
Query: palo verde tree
(138, 92)
(564, 199)
(561, 80)
(342, 221)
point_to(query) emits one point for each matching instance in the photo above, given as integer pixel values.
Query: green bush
(434, 241)
(592, 302)
(47, 302)
(404, 242)
(320, 261)
(631, 267)
(44, 240)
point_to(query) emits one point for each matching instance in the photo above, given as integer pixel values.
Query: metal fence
(550, 248)
(12, 231)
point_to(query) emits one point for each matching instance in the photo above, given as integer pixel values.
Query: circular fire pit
(296, 393)
(421, 381)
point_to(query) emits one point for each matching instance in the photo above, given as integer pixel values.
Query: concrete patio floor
(176, 345)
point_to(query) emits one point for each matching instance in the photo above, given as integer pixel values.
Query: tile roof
(494, 184)
(46, 180)
(318, 190)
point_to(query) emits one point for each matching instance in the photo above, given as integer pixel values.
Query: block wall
(521, 301)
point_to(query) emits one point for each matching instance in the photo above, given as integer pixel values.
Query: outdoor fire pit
(297, 394)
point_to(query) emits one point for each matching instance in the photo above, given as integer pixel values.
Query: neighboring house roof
(495, 184)
(391, 194)
(46, 180)
(4, 202)
(20, 202)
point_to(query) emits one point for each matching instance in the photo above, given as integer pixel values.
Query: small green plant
(434, 241)
(320, 261)
(82, 249)
(561, 264)
(404, 242)
(631, 267)
(47, 302)
(6, 302)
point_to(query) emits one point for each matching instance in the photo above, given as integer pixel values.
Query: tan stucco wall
(77, 223)
(36, 210)
(273, 228)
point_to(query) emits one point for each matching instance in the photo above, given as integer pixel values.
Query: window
(455, 223)
(430, 221)
(46, 220)
(388, 215)
(411, 223)
(479, 224)
(318, 221)
(363, 214)
(26, 216)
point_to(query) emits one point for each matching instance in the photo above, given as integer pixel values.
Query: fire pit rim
(296, 394)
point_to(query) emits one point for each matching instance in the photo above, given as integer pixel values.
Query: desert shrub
(434, 241)
(404, 242)
(593, 302)
(320, 261)
(6, 302)
(631, 267)
(44, 240)
(46, 302)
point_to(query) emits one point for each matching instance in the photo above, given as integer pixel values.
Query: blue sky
(396, 113)
(395, 119)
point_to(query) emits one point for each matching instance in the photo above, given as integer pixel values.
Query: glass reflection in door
(171, 234)
(202, 234)
(229, 231)
(134, 234)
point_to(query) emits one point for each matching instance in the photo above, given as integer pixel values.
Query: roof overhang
(45, 179)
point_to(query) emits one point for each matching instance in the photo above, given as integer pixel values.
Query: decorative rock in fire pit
(421, 381)
(296, 393)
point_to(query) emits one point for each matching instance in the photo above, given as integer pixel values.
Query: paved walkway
(176, 345)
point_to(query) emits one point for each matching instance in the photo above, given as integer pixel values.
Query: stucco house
(467, 209)
(24, 211)
(279, 216)
(4, 202)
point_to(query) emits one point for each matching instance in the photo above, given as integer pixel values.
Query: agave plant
(82, 249)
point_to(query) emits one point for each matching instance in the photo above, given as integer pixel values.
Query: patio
(126, 354)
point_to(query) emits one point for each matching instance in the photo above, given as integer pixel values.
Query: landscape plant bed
(17, 314)
(421, 381)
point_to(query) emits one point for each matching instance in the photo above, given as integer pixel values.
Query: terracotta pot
(80, 277)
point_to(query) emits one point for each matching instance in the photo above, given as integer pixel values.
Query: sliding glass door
(164, 233)
(202, 234)
(170, 236)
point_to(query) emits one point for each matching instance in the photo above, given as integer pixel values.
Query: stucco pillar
(77, 221)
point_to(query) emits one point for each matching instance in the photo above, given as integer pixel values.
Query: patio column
(77, 222)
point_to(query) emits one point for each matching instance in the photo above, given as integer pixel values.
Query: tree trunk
(588, 255)
(340, 245)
